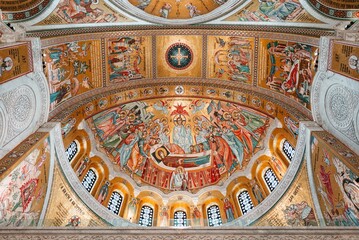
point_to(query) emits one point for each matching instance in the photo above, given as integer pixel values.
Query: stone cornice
(326, 233)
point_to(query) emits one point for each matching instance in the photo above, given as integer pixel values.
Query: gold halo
(131, 117)
(175, 119)
(157, 153)
(122, 114)
(236, 114)
(205, 125)
(164, 121)
(227, 116)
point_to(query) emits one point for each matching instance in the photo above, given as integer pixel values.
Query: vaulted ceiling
(182, 103)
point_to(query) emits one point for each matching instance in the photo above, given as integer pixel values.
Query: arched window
(180, 219)
(214, 216)
(114, 204)
(89, 180)
(146, 216)
(271, 179)
(245, 202)
(288, 150)
(71, 151)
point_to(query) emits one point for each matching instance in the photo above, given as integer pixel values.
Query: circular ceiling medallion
(179, 56)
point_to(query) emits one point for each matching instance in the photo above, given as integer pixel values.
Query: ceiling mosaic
(337, 8)
(180, 143)
(335, 180)
(228, 117)
(173, 146)
(284, 66)
(77, 12)
(273, 11)
(177, 9)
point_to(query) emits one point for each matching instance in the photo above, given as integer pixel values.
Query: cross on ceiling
(179, 56)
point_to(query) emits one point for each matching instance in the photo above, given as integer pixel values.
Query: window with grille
(89, 180)
(288, 150)
(271, 179)
(214, 216)
(146, 216)
(180, 219)
(245, 202)
(71, 151)
(114, 204)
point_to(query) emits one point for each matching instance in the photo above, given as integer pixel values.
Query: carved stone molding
(339, 104)
(317, 84)
(324, 53)
(340, 97)
(327, 233)
(310, 127)
(20, 104)
(24, 107)
(20, 108)
(76, 185)
(3, 123)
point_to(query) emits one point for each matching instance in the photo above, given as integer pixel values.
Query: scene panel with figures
(80, 11)
(180, 144)
(273, 11)
(337, 184)
(23, 190)
(177, 9)
(295, 208)
(72, 68)
(128, 58)
(230, 58)
(288, 68)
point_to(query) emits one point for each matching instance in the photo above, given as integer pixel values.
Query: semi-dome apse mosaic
(180, 144)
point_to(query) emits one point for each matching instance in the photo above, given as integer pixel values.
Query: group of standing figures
(219, 141)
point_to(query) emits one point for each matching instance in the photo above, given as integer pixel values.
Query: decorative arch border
(248, 219)
(334, 13)
(25, 15)
(127, 7)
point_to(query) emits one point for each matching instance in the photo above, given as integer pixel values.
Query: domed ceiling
(177, 9)
(181, 118)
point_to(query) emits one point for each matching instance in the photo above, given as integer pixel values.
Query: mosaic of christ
(180, 144)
